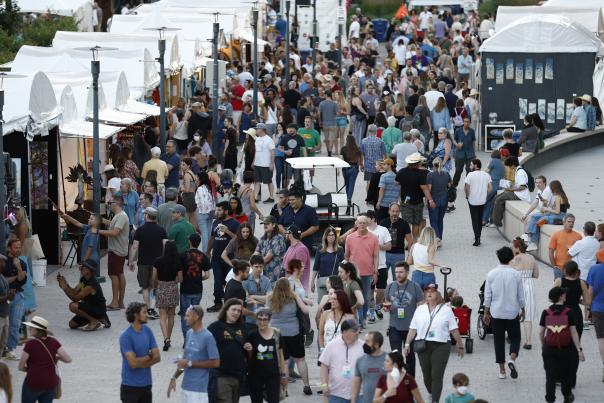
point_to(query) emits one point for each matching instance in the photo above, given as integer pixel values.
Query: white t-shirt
(546, 195)
(424, 19)
(521, 178)
(354, 30)
(443, 323)
(584, 254)
(479, 187)
(402, 151)
(384, 237)
(264, 146)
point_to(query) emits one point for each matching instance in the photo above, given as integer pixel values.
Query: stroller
(482, 328)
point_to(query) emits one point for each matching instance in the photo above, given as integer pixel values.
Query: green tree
(10, 20)
(42, 30)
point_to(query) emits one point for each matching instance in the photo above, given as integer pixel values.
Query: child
(461, 394)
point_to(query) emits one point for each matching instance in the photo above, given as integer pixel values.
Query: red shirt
(237, 91)
(363, 249)
(41, 372)
(403, 390)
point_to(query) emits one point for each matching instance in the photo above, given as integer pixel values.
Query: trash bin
(380, 26)
(39, 272)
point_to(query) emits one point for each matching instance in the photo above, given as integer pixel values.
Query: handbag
(419, 346)
(58, 388)
(303, 320)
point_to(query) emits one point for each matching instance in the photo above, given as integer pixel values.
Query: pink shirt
(300, 252)
(363, 249)
(341, 360)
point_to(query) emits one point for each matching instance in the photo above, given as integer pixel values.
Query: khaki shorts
(143, 275)
(330, 133)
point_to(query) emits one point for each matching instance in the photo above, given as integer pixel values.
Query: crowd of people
(178, 216)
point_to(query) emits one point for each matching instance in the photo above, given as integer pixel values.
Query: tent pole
(62, 175)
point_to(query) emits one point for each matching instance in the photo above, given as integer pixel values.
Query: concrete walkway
(94, 376)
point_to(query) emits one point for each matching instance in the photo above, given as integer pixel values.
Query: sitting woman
(547, 214)
(578, 120)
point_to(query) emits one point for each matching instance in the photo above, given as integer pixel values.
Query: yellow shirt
(157, 165)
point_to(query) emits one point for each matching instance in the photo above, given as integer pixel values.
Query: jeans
(532, 227)
(437, 215)
(16, 311)
(423, 279)
(220, 271)
(337, 399)
(460, 163)
(392, 259)
(186, 300)
(476, 216)
(366, 281)
(488, 206)
(32, 396)
(397, 340)
(350, 178)
(358, 128)
(205, 228)
(558, 273)
(433, 362)
(280, 172)
(500, 327)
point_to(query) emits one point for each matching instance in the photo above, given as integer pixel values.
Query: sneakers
(476, 242)
(91, 327)
(152, 314)
(10, 355)
(294, 375)
(307, 391)
(532, 246)
(379, 313)
(513, 371)
(525, 237)
(492, 225)
(541, 222)
(371, 318)
(269, 200)
(214, 308)
(501, 375)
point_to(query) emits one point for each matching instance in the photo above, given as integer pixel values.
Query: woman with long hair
(188, 187)
(280, 157)
(399, 109)
(441, 119)
(329, 323)
(421, 257)
(353, 287)
(237, 209)
(212, 171)
(141, 152)
(166, 275)
(397, 385)
(248, 151)
(126, 167)
(331, 284)
(6, 387)
(248, 199)
(327, 259)
(438, 181)
(547, 214)
(241, 247)
(353, 156)
(341, 116)
(271, 110)
(422, 121)
(284, 303)
(529, 271)
(205, 209)
(272, 248)
(358, 115)
(39, 360)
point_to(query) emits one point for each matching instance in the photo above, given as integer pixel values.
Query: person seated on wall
(88, 301)
(578, 120)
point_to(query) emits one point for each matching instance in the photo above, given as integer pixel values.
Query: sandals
(91, 328)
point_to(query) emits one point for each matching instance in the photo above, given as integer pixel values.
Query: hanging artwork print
(490, 68)
(528, 69)
(541, 108)
(551, 112)
(539, 73)
(499, 74)
(532, 108)
(39, 175)
(522, 108)
(519, 73)
(549, 68)
(569, 111)
(509, 69)
(560, 109)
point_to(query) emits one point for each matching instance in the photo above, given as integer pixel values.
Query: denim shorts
(341, 121)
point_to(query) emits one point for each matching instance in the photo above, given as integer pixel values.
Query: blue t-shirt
(304, 218)
(141, 343)
(174, 160)
(199, 346)
(221, 241)
(392, 189)
(90, 240)
(130, 204)
(595, 279)
(497, 172)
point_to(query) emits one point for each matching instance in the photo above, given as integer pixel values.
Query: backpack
(531, 180)
(557, 329)
(458, 119)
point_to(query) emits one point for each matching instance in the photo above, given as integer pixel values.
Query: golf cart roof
(317, 162)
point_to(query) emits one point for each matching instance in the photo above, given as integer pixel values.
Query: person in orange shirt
(600, 237)
(559, 244)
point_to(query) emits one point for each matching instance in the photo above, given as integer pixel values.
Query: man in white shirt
(504, 308)
(477, 187)
(518, 191)
(402, 150)
(584, 250)
(385, 242)
(264, 162)
(425, 19)
(354, 31)
(544, 198)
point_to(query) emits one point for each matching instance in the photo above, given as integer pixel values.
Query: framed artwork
(39, 175)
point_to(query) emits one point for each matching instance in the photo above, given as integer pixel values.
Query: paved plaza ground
(94, 375)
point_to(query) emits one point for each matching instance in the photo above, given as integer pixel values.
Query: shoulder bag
(58, 388)
(419, 346)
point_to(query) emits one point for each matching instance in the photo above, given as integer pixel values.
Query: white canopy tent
(80, 10)
(467, 4)
(573, 3)
(588, 16)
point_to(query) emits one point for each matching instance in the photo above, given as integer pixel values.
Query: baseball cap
(108, 167)
(261, 126)
(227, 184)
(90, 264)
(431, 286)
(151, 211)
(222, 108)
(179, 208)
(269, 220)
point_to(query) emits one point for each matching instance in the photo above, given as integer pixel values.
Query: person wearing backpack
(560, 341)
(518, 191)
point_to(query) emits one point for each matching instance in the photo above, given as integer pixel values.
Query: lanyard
(398, 290)
(346, 353)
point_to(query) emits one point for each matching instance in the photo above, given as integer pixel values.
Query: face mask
(368, 349)
(196, 138)
(395, 374)
(462, 390)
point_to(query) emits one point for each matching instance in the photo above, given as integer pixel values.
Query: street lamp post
(315, 41)
(287, 40)
(215, 144)
(340, 33)
(255, 60)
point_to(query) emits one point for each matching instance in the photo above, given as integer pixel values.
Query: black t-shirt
(294, 143)
(150, 237)
(412, 103)
(193, 264)
(513, 148)
(201, 122)
(11, 271)
(96, 301)
(167, 270)
(230, 339)
(302, 114)
(291, 98)
(572, 319)
(221, 240)
(265, 357)
(398, 230)
(234, 289)
(410, 180)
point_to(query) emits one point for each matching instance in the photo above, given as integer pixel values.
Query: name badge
(432, 333)
(346, 372)
(400, 313)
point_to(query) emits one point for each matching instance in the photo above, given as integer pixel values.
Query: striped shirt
(373, 149)
(392, 189)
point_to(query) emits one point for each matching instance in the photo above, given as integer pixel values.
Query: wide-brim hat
(473, 92)
(108, 167)
(414, 158)
(38, 322)
(586, 98)
(251, 132)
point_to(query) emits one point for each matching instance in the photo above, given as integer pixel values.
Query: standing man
(224, 228)
(172, 160)
(264, 162)
(504, 305)
(369, 97)
(414, 189)
(401, 299)
(15, 273)
(292, 145)
(164, 211)
(373, 149)
(5, 294)
(385, 243)
(399, 233)
(465, 142)
(256, 285)
(181, 230)
(312, 138)
(477, 187)
(402, 150)
(389, 190)
(595, 281)
(237, 91)
(303, 216)
(338, 361)
(139, 353)
(464, 65)
(200, 355)
(195, 269)
(368, 369)
(159, 166)
(130, 198)
(560, 244)
(328, 110)
(584, 250)
(362, 250)
(147, 246)
(117, 246)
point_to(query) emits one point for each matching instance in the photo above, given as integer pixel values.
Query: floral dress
(439, 152)
(276, 245)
